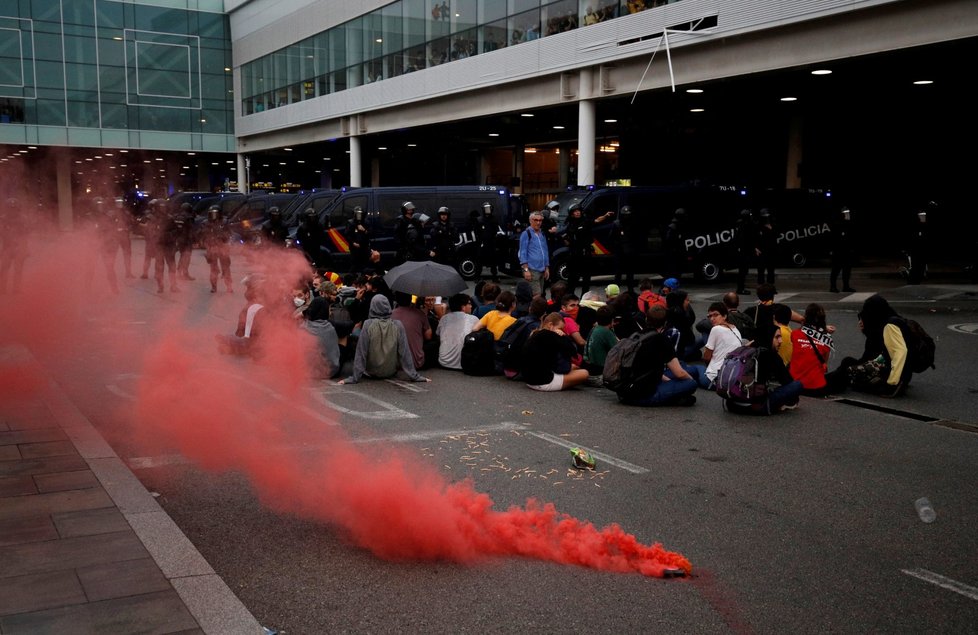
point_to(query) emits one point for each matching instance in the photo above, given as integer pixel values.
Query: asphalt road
(803, 523)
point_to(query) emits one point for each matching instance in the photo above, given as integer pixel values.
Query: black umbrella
(423, 278)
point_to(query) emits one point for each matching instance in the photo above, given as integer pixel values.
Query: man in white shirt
(452, 329)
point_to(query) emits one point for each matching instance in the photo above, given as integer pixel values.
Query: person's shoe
(848, 289)
(834, 289)
(790, 406)
(686, 400)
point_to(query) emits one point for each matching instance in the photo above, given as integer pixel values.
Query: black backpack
(920, 346)
(509, 347)
(479, 353)
(620, 373)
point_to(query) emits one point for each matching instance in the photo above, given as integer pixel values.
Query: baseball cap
(612, 290)
(672, 283)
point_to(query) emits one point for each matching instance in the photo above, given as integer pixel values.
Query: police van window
(390, 207)
(598, 205)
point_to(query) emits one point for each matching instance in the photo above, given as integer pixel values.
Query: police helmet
(358, 214)
(680, 212)
(186, 207)
(552, 205)
(443, 210)
(310, 212)
(487, 208)
(214, 213)
(575, 208)
(274, 213)
(765, 213)
(406, 207)
(624, 211)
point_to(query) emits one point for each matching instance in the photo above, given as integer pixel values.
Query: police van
(382, 207)
(708, 227)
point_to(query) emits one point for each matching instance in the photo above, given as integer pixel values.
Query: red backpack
(649, 298)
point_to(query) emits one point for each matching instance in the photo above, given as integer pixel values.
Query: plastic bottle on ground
(925, 510)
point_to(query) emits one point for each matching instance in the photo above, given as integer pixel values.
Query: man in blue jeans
(666, 382)
(534, 254)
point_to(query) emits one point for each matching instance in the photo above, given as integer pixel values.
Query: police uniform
(443, 238)
(216, 238)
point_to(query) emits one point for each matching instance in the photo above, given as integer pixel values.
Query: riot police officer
(766, 248)
(487, 232)
(167, 242)
(312, 238)
(745, 242)
(626, 244)
(152, 223)
(216, 238)
(674, 245)
(274, 231)
(410, 235)
(443, 238)
(579, 237)
(919, 247)
(358, 237)
(843, 246)
(183, 228)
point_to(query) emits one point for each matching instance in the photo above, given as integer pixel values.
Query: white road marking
(429, 435)
(945, 583)
(407, 385)
(150, 462)
(785, 296)
(857, 297)
(388, 411)
(601, 456)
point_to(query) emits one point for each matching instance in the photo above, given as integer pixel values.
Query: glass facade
(113, 66)
(409, 35)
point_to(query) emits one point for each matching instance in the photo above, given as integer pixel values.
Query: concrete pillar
(244, 165)
(356, 179)
(586, 130)
(563, 167)
(793, 169)
(65, 210)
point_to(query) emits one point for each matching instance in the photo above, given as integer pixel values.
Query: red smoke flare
(259, 418)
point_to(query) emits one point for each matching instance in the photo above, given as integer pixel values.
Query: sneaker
(790, 406)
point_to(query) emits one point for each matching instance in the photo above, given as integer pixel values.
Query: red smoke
(259, 418)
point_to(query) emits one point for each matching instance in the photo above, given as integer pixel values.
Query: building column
(356, 179)
(792, 178)
(564, 167)
(519, 161)
(586, 127)
(65, 210)
(244, 166)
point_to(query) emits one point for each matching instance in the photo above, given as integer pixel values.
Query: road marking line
(405, 385)
(389, 411)
(625, 465)
(944, 583)
(150, 462)
(439, 434)
(856, 297)
(785, 296)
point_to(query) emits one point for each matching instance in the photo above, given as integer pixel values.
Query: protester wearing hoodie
(316, 322)
(382, 346)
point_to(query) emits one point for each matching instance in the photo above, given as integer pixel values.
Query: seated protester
(569, 309)
(547, 358)
(452, 329)
(510, 346)
(327, 363)
(382, 346)
(666, 382)
(360, 305)
(782, 389)
(885, 356)
(499, 318)
(678, 317)
(647, 297)
(247, 336)
(524, 295)
(490, 291)
(599, 342)
(416, 326)
(743, 323)
(656, 321)
(763, 312)
(782, 317)
(628, 318)
(811, 346)
(724, 337)
(557, 291)
(611, 292)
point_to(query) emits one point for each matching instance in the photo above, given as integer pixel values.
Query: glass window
(560, 16)
(393, 27)
(414, 22)
(524, 27)
(465, 14)
(354, 41)
(438, 20)
(83, 114)
(337, 48)
(518, 6)
(493, 36)
(465, 44)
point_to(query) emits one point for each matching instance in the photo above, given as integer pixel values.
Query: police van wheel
(560, 270)
(466, 267)
(799, 260)
(709, 271)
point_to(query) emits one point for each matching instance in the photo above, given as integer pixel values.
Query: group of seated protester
(550, 344)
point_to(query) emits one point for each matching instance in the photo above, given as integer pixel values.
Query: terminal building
(868, 99)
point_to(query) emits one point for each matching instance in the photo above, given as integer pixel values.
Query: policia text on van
(649, 236)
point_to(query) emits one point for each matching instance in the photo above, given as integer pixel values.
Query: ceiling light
(123, 151)
(159, 158)
(526, 114)
(227, 69)
(493, 134)
(694, 91)
(381, 147)
(923, 82)
(558, 127)
(287, 149)
(822, 71)
(189, 154)
(789, 99)
(32, 147)
(696, 110)
(379, 40)
(412, 145)
(611, 121)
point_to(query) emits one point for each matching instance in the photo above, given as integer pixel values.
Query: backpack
(737, 377)
(479, 353)
(620, 373)
(649, 298)
(920, 346)
(509, 348)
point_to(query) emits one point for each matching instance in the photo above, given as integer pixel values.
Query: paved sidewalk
(84, 548)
